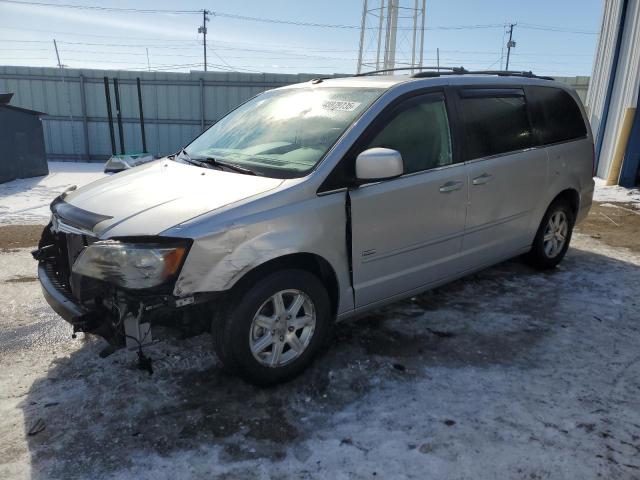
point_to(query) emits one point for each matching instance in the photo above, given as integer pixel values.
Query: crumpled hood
(151, 198)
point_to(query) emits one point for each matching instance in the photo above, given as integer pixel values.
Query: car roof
(389, 81)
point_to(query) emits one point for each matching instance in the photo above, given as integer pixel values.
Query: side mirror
(378, 164)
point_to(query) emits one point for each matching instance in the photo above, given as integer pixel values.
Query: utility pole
(203, 31)
(148, 64)
(510, 44)
(55, 45)
(438, 58)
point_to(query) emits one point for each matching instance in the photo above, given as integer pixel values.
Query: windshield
(283, 133)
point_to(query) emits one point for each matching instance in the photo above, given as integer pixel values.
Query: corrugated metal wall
(627, 81)
(22, 152)
(580, 84)
(176, 105)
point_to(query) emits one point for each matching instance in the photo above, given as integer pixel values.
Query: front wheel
(553, 236)
(273, 327)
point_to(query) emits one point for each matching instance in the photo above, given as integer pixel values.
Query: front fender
(217, 261)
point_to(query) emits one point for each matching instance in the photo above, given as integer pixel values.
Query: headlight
(130, 265)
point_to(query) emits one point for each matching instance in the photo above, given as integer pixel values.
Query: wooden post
(621, 147)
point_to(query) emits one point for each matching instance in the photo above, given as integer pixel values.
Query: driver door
(407, 232)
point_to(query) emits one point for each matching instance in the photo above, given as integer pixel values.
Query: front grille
(74, 243)
(58, 266)
(67, 248)
(70, 245)
(57, 252)
(55, 278)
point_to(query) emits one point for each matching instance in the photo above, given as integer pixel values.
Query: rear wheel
(273, 327)
(553, 236)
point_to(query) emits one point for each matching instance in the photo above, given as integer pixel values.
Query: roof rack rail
(500, 73)
(399, 69)
(430, 71)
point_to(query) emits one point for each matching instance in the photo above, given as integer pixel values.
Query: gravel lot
(510, 373)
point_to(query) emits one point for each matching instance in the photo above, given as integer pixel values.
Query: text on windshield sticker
(340, 105)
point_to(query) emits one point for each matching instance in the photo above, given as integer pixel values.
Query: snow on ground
(510, 373)
(26, 201)
(616, 194)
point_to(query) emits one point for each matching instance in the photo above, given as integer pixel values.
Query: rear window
(555, 115)
(495, 121)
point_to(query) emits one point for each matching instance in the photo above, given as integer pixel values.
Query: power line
(103, 9)
(282, 21)
(142, 45)
(83, 34)
(229, 46)
(550, 28)
(301, 23)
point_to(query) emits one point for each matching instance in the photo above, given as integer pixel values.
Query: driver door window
(418, 128)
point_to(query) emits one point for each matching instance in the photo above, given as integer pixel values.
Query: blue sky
(110, 40)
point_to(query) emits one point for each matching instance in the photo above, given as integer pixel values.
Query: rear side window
(495, 121)
(555, 115)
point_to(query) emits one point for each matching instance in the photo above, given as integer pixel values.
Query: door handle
(482, 179)
(450, 187)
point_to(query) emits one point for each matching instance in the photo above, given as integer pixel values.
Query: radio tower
(391, 34)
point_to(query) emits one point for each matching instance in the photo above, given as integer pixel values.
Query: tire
(254, 336)
(544, 254)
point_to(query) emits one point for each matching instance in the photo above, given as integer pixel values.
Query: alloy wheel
(555, 234)
(282, 328)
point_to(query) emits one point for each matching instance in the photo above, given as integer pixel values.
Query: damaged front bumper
(61, 300)
(119, 315)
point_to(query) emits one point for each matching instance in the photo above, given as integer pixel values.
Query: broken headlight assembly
(131, 265)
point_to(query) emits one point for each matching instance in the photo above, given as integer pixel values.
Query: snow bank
(26, 201)
(615, 194)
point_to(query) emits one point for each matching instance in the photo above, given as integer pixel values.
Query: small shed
(22, 151)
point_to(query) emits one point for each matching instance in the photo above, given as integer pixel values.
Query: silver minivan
(314, 202)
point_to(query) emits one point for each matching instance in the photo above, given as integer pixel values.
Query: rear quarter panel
(570, 166)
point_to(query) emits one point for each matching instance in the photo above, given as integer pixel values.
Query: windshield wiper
(230, 166)
(183, 155)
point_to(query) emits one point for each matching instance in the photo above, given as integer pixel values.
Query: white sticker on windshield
(340, 105)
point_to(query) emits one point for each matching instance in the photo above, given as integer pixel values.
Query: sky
(553, 37)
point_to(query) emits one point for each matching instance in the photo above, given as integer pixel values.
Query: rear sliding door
(506, 174)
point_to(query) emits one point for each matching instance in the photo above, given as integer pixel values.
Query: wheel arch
(310, 262)
(571, 196)
(568, 194)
